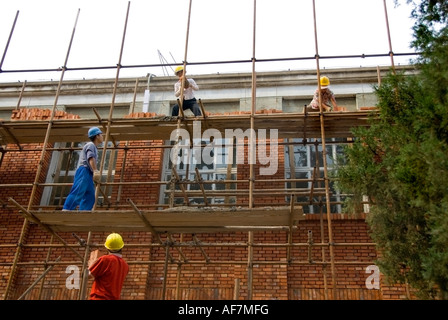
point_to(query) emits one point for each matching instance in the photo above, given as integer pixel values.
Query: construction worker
(327, 96)
(82, 192)
(108, 271)
(189, 101)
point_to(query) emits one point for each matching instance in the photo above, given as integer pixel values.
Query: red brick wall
(274, 276)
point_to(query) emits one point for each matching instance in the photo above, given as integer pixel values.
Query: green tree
(401, 163)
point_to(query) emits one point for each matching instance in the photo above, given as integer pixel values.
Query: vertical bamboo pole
(181, 98)
(85, 270)
(9, 39)
(292, 175)
(391, 53)
(321, 220)
(378, 73)
(236, 289)
(182, 85)
(123, 164)
(251, 156)
(324, 155)
(251, 151)
(39, 167)
(21, 95)
(165, 270)
(111, 110)
(229, 168)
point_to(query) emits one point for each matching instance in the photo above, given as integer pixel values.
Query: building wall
(303, 276)
(277, 273)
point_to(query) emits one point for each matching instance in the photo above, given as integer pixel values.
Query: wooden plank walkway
(173, 220)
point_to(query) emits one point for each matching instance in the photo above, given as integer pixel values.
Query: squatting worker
(327, 96)
(108, 271)
(82, 192)
(189, 100)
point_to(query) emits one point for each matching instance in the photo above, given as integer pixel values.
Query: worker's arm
(94, 255)
(177, 89)
(333, 101)
(96, 172)
(193, 84)
(92, 163)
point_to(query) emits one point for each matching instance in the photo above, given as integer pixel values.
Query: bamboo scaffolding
(314, 126)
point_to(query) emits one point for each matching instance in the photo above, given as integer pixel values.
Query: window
(305, 159)
(215, 162)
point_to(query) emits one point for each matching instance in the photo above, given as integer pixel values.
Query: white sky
(219, 31)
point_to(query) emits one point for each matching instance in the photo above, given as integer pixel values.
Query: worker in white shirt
(189, 101)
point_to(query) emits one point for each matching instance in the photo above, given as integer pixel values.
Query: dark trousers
(188, 104)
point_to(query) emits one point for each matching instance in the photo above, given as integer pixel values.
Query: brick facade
(301, 277)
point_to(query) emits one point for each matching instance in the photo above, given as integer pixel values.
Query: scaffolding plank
(174, 220)
(289, 125)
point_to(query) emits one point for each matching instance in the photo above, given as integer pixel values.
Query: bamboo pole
(301, 58)
(189, 244)
(82, 294)
(324, 155)
(25, 225)
(9, 40)
(126, 147)
(391, 52)
(321, 224)
(111, 110)
(251, 158)
(178, 279)
(165, 271)
(213, 262)
(22, 90)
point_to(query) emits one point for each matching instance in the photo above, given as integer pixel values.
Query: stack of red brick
(40, 114)
(238, 113)
(142, 115)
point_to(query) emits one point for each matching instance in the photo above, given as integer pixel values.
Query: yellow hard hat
(180, 68)
(324, 81)
(114, 242)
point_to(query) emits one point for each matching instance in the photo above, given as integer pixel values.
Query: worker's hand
(97, 176)
(94, 255)
(186, 83)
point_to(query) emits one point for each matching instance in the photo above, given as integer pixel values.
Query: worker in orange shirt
(108, 271)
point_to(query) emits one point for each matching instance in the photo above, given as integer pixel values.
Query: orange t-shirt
(109, 272)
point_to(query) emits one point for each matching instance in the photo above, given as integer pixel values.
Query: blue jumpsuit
(82, 192)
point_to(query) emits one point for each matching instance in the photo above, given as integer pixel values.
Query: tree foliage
(401, 163)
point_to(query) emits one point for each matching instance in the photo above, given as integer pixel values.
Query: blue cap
(94, 131)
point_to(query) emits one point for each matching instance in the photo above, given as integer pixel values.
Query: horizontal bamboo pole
(362, 56)
(202, 244)
(199, 262)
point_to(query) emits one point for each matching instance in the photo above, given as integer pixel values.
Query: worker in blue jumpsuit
(82, 192)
